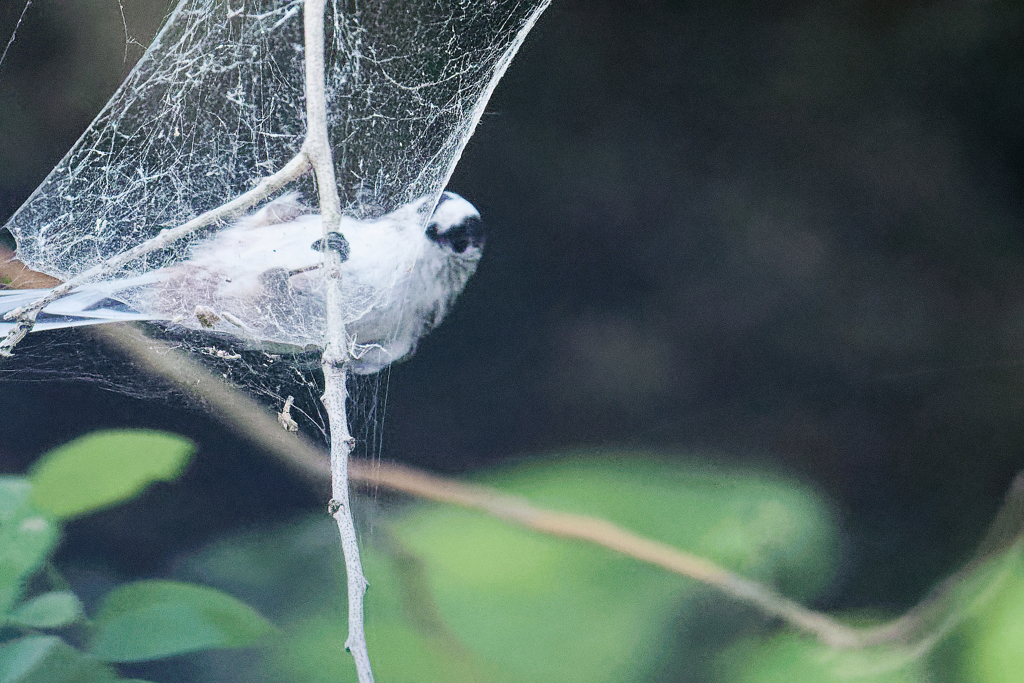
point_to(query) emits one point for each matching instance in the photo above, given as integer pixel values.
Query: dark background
(783, 234)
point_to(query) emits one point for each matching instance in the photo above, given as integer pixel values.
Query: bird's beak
(16, 275)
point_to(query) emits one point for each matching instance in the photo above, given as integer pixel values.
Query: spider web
(217, 102)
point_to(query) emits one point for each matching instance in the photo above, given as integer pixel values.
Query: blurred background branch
(921, 627)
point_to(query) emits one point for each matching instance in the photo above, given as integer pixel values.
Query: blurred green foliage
(582, 612)
(104, 469)
(152, 619)
(788, 658)
(26, 539)
(457, 595)
(138, 621)
(993, 639)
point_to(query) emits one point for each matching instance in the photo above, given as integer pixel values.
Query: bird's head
(455, 225)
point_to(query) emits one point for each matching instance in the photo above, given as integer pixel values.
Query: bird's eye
(459, 237)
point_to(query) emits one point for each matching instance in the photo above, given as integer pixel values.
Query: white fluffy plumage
(261, 280)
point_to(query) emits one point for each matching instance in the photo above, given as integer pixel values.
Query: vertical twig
(335, 358)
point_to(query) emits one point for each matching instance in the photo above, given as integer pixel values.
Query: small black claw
(335, 241)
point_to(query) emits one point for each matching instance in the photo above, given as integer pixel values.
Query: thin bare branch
(250, 420)
(335, 357)
(918, 629)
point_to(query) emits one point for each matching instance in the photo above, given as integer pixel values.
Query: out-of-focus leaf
(792, 658)
(26, 539)
(48, 659)
(105, 468)
(993, 639)
(15, 496)
(584, 613)
(458, 596)
(755, 523)
(153, 619)
(296, 574)
(406, 644)
(49, 610)
(962, 596)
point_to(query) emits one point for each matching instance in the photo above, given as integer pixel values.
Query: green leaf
(992, 639)
(458, 596)
(756, 523)
(15, 496)
(153, 619)
(48, 659)
(49, 610)
(585, 613)
(103, 469)
(296, 574)
(406, 641)
(26, 539)
(790, 657)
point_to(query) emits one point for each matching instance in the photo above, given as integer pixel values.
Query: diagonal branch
(919, 628)
(250, 420)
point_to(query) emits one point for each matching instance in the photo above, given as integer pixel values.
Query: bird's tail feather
(87, 306)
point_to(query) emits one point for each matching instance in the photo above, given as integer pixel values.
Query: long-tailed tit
(261, 280)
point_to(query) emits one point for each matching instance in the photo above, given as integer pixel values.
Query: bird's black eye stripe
(459, 237)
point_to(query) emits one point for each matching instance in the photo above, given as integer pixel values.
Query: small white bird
(261, 280)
